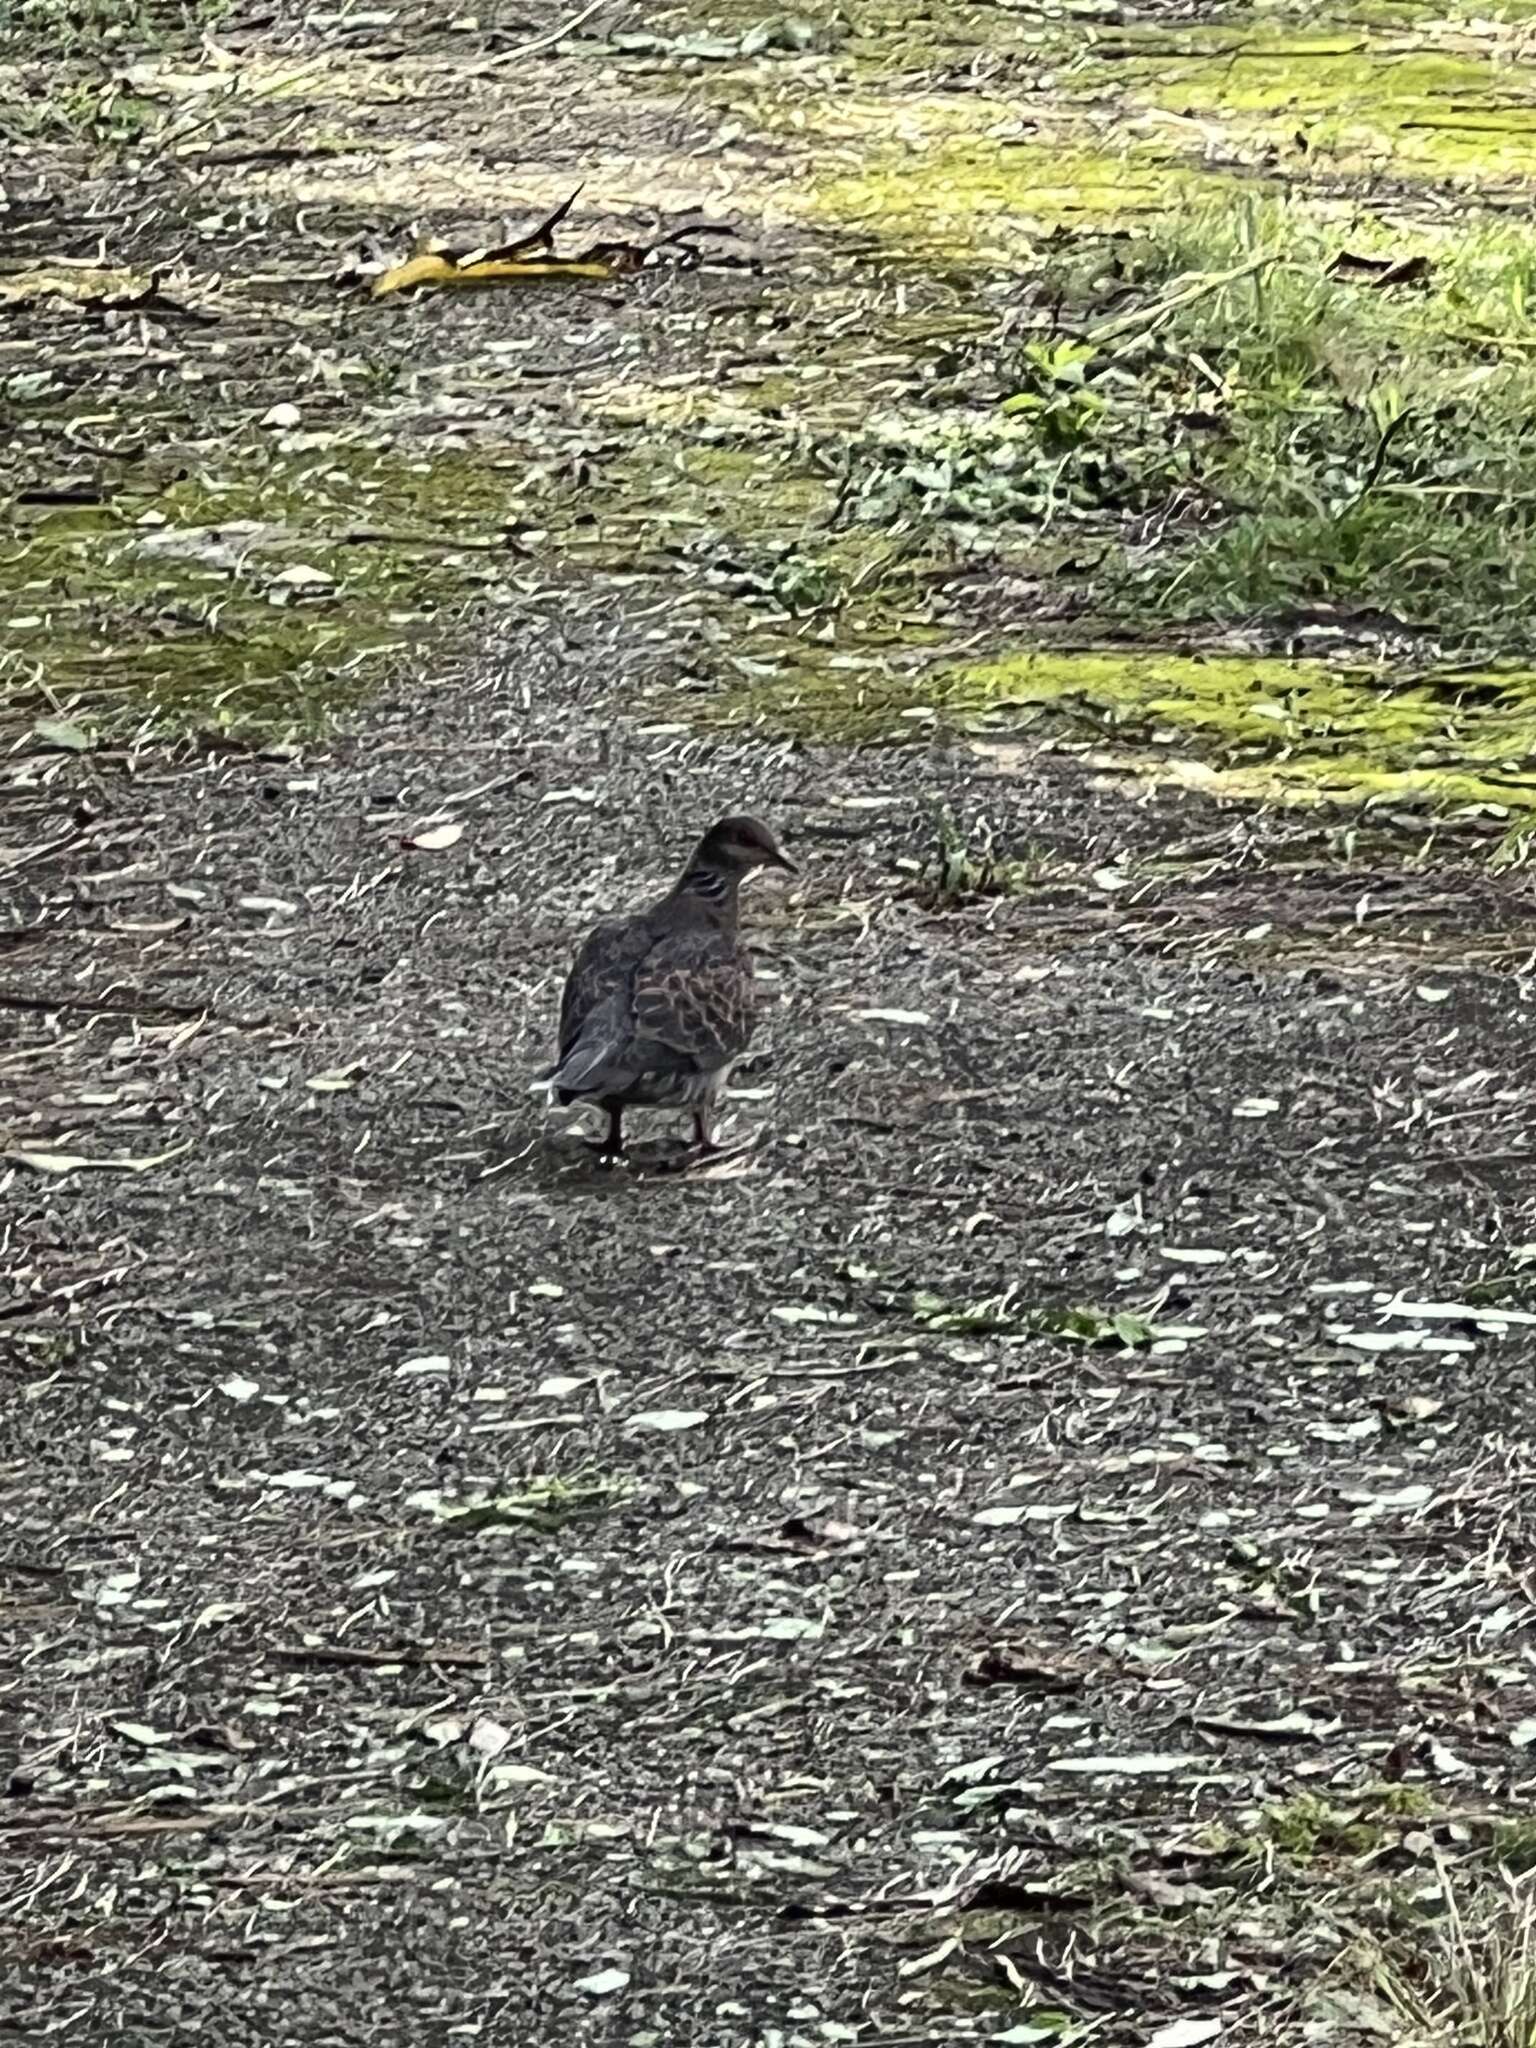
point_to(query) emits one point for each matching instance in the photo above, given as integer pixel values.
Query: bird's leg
(704, 1128)
(610, 1147)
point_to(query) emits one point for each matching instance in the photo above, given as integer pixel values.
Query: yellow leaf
(442, 270)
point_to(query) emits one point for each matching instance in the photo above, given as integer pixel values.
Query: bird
(658, 1007)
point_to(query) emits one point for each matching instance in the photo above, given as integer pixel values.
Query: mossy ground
(1302, 728)
(1093, 338)
(259, 596)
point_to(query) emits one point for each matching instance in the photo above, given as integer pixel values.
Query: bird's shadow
(563, 1158)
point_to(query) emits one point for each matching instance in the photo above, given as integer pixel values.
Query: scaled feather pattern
(659, 1007)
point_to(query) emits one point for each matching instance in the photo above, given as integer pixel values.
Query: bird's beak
(780, 859)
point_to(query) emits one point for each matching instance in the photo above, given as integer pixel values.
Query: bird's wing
(693, 1002)
(601, 971)
(682, 1008)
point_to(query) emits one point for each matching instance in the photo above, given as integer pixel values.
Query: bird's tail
(583, 1071)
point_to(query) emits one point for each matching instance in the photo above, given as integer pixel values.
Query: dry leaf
(1295, 1726)
(137, 1732)
(1185, 2034)
(603, 1983)
(80, 287)
(668, 1419)
(443, 270)
(72, 1162)
(1147, 1766)
(488, 1737)
(436, 837)
(1379, 272)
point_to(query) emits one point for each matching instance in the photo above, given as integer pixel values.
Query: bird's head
(738, 845)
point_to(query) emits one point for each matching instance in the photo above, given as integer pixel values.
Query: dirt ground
(1037, 1545)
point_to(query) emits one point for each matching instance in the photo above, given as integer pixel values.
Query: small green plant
(1054, 395)
(1006, 1314)
(1514, 1843)
(543, 1503)
(1514, 848)
(76, 27)
(1308, 1826)
(965, 863)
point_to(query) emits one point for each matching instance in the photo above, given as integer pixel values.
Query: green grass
(966, 863)
(1368, 446)
(63, 65)
(1253, 428)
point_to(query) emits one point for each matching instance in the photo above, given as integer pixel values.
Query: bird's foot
(604, 1154)
(711, 1151)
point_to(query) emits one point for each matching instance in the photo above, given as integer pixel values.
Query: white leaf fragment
(603, 1983)
(435, 838)
(1007, 1513)
(136, 1732)
(1448, 1763)
(487, 1737)
(435, 1367)
(913, 1017)
(1457, 1311)
(1297, 1723)
(72, 1162)
(502, 1775)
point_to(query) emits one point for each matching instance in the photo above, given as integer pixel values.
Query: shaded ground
(835, 1650)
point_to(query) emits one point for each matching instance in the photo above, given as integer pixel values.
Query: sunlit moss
(263, 599)
(1195, 108)
(1258, 726)
(974, 194)
(1424, 99)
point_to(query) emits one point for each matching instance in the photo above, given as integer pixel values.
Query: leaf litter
(661, 1695)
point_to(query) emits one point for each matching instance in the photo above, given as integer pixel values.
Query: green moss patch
(1304, 725)
(1301, 730)
(1423, 97)
(968, 196)
(259, 597)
